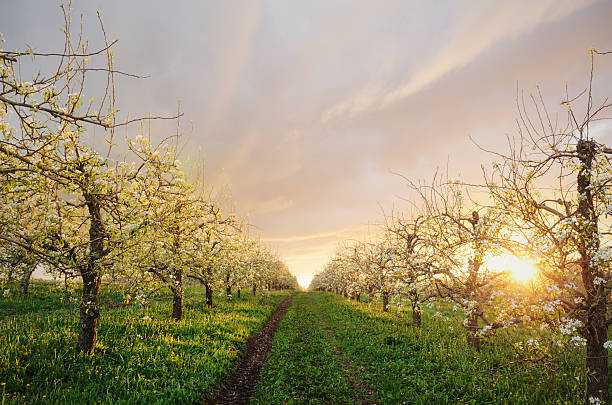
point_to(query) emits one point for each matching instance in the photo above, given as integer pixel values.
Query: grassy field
(141, 355)
(327, 350)
(325, 337)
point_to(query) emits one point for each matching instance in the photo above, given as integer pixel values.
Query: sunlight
(521, 269)
(304, 280)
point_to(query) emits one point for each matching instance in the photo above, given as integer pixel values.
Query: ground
(281, 347)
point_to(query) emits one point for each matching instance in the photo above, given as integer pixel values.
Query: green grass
(324, 345)
(136, 360)
(47, 296)
(403, 364)
(301, 367)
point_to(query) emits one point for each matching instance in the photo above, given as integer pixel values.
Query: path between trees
(361, 392)
(240, 387)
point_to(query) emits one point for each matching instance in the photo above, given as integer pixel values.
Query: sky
(307, 111)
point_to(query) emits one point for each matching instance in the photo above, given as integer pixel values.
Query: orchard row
(544, 205)
(88, 205)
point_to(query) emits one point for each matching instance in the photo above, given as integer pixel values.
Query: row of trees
(88, 205)
(547, 199)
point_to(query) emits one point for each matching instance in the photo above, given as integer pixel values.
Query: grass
(136, 360)
(403, 364)
(325, 347)
(46, 296)
(301, 367)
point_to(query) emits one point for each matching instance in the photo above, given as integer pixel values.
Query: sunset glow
(521, 269)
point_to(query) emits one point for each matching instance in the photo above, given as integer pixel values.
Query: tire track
(240, 387)
(361, 391)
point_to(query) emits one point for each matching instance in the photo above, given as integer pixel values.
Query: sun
(521, 269)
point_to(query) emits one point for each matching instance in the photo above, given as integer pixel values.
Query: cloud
(472, 34)
(275, 204)
(308, 106)
(308, 237)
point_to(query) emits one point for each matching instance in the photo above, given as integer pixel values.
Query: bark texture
(25, 279)
(89, 313)
(596, 296)
(473, 339)
(177, 306)
(91, 274)
(209, 296)
(416, 315)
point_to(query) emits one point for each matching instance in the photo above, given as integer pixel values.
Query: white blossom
(595, 401)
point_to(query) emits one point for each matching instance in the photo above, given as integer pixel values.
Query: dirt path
(361, 392)
(240, 387)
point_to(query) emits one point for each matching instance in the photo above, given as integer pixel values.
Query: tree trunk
(209, 296)
(177, 296)
(25, 280)
(238, 293)
(385, 297)
(597, 356)
(254, 290)
(9, 276)
(177, 305)
(89, 312)
(358, 297)
(472, 339)
(228, 287)
(416, 315)
(91, 275)
(597, 296)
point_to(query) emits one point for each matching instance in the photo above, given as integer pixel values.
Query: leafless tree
(555, 182)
